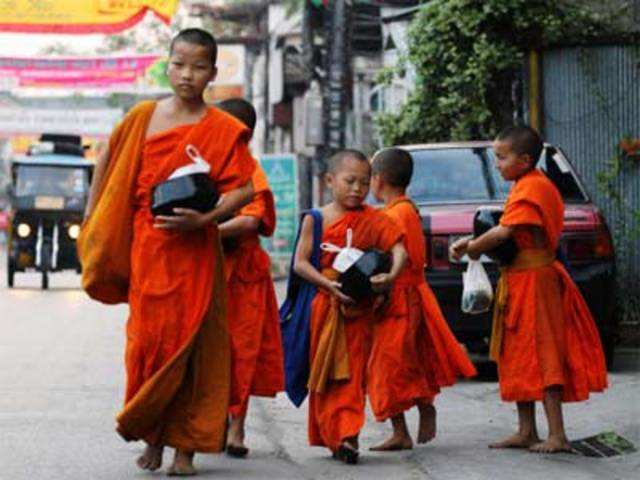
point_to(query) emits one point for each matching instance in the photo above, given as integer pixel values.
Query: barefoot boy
(414, 352)
(252, 308)
(544, 338)
(169, 268)
(340, 330)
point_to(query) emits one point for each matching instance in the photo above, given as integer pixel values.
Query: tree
(466, 55)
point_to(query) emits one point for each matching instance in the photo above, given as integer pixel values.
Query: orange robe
(339, 411)
(177, 354)
(414, 352)
(252, 308)
(550, 337)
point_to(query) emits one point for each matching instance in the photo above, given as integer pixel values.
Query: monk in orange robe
(544, 338)
(252, 308)
(414, 352)
(169, 268)
(341, 330)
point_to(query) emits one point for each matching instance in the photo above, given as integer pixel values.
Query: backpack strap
(294, 279)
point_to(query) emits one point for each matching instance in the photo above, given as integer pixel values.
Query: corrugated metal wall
(591, 100)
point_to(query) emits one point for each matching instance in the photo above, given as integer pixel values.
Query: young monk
(414, 352)
(252, 309)
(169, 268)
(544, 338)
(340, 329)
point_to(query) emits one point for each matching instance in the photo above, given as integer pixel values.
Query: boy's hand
(458, 249)
(381, 282)
(334, 289)
(184, 220)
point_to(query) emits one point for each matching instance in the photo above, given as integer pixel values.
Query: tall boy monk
(257, 364)
(169, 268)
(414, 352)
(340, 330)
(544, 338)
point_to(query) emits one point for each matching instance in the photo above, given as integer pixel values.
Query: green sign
(282, 172)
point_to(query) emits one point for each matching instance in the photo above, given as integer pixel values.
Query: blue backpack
(295, 315)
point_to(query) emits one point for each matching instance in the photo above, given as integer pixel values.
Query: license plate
(465, 258)
(49, 203)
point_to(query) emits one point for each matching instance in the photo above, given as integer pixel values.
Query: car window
(470, 175)
(54, 181)
(455, 175)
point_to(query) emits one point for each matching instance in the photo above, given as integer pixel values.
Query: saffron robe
(339, 411)
(414, 352)
(549, 337)
(177, 354)
(252, 308)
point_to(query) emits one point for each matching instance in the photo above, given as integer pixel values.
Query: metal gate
(591, 101)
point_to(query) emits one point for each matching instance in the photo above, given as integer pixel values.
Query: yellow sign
(79, 16)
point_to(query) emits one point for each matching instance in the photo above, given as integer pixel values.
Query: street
(61, 385)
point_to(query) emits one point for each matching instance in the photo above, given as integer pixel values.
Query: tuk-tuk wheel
(11, 271)
(46, 262)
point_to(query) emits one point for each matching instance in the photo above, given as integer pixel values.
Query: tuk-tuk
(48, 194)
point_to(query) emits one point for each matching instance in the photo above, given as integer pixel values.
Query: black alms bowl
(484, 220)
(196, 192)
(355, 280)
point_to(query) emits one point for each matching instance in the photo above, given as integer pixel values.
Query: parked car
(450, 182)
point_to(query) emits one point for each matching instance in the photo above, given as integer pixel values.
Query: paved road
(61, 384)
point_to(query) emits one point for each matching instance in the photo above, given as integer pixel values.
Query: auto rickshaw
(49, 191)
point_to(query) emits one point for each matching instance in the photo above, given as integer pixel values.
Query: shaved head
(524, 140)
(394, 165)
(336, 160)
(241, 109)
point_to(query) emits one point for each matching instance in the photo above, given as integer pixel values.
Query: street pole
(336, 97)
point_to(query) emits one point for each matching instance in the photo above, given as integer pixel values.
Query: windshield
(51, 181)
(469, 175)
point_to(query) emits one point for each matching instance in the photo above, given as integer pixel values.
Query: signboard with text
(97, 122)
(282, 171)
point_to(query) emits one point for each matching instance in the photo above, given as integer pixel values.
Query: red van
(451, 180)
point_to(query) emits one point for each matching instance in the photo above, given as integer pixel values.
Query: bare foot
(427, 426)
(516, 441)
(182, 465)
(394, 443)
(347, 453)
(235, 439)
(151, 459)
(552, 445)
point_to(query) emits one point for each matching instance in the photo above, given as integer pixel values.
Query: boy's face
(350, 182)
(190, 70)
(509, 163)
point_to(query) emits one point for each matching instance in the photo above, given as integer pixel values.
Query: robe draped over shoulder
(177, 353)
(338, 412)
(414, 352)
(550, 337)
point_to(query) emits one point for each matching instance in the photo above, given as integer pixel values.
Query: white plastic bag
(346, 257)
(477, 293)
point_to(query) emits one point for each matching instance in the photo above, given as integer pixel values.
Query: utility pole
(335, 88)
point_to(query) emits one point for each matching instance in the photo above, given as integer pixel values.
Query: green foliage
(466, 53)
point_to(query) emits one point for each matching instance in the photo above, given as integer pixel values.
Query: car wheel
(608, 346)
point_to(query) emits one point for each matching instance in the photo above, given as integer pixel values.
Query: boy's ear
(328, 178)
(214, 75)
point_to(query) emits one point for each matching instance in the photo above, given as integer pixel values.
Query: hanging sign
(79, 16)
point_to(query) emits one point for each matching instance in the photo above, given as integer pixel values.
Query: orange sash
(526, 259)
